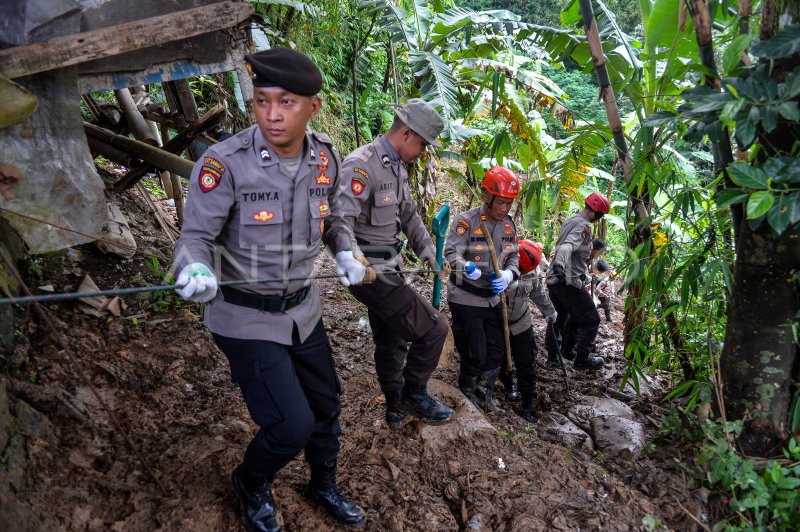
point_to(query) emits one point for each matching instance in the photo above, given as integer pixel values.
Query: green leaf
(770, 120)
(733, 53)
(789, 111)
(729, 196)
(745, 134)
(778, 216)
(782, 44)
(661, 118)
(748, 176)
(794, 208)
(759, 203)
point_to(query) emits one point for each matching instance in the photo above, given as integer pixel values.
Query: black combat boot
(394, 414)
(322, 491)
(415, 399)
(509, 380)
(586, 362)
(490, 377)
(526, 410)
(258, 506)
(467, 386)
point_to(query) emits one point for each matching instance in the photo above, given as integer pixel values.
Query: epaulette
(240, 141)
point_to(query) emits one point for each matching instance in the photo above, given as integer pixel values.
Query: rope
(49, 298)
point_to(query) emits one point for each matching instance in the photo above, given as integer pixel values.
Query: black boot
(415, 399)
(322, 491)
(509, 380)
(526, 410)
(394, 414)
(490, 377)
(587, 362)
(467, 386)
(258, 506)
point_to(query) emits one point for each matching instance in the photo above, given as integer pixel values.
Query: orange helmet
(501, 181)
(530, 253)
(598, 203)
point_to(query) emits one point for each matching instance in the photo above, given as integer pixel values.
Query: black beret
(286, 68)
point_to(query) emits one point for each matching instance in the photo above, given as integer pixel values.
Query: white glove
(196, 283)
(349, 270)
(471, 271)
(551, 318)
(500, 282)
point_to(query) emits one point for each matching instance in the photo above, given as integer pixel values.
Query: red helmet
(501, 181)
(530, 253)
(598, 203)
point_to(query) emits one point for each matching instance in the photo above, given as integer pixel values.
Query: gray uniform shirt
(466, 243)
(573, 247)
(246, 219)
(377, 203)
(528, 286)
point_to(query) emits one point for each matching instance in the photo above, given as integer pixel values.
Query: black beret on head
(285, 68)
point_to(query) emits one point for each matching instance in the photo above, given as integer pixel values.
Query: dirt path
(65, 468)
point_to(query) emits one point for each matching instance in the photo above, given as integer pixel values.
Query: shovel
(439, 227)
(560, 358)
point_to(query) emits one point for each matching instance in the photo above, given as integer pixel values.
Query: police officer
(378, 207)
(529, 287)
(258, 205)
(568, 276)
(473, 298)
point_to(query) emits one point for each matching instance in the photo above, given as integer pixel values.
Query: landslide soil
(169, 388)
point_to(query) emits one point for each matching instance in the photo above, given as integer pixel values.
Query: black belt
(480, 292)
(265, 303)
(379, 251)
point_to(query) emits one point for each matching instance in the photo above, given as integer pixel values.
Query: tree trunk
(760, 354)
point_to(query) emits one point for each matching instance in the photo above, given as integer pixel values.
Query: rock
(6, 428)
(467, 424)
(116, 234)
(618, 436)
(592, 407)
(566, 431)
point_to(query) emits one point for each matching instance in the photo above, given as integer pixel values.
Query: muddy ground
(66, 467)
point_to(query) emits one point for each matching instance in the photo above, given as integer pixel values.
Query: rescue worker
(378, 208)
(567, 279)
(473, 297)
(604, 288)
(529, 286)
(258, 205)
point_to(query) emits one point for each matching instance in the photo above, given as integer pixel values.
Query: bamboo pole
(503, 297)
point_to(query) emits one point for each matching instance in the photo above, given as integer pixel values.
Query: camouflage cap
(422, 119)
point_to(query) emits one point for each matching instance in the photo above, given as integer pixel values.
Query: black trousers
(575, 309)
(398, 315)
(605, 304)
(523, 352)
(478, 335)
(292, 393)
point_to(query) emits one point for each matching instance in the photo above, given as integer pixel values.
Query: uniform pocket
(253, 381)
(260, 223)
(384, 208)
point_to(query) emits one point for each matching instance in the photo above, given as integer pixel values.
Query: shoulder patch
(210, 174)
(462, 227)
(361, 171)
(357, 186)
(586, 232)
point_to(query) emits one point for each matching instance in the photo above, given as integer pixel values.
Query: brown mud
(167, 384)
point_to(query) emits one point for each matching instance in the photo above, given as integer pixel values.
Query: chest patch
(324, 164)
(323, 179)
(324, 209)
(357, 186)
(263, 216)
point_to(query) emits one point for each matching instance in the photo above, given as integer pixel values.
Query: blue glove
(500, 282)
(471, 271)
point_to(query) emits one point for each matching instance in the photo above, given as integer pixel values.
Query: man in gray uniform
(378, 207)
(259, 203)
(473, 298)
(569, 272)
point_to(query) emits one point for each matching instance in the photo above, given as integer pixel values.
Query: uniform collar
(388, 154)
(267, 157)
(585, 216)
